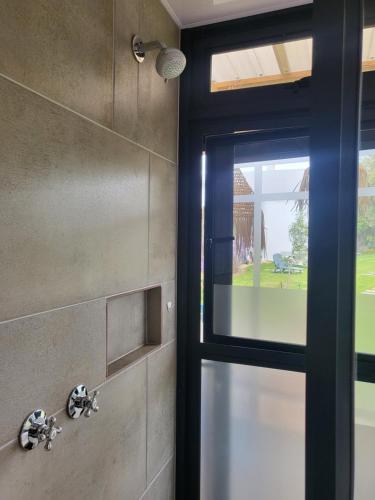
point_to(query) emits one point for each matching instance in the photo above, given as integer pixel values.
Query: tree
(298, 235)
(369, 164)
(366, 212)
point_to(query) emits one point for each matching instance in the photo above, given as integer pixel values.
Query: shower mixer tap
(80, 402)
(38, 428)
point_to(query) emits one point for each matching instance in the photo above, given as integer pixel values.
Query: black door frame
(204, 115)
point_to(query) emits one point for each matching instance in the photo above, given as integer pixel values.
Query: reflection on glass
(253, 436)
(365, 283)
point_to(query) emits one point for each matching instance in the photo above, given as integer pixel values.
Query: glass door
(365, 321)
(255, 296)
(256, 208)
(256, 228)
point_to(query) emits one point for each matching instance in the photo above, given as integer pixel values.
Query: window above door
(274, 64)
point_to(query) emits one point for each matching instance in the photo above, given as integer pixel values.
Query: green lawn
(365, 337)
(269, 279)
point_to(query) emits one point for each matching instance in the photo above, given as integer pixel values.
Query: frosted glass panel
(365, 442)
(253, 435)
(261, 313)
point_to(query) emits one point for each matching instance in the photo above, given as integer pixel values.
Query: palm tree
(303, 186)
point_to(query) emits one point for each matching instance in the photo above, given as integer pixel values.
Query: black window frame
(205, 115)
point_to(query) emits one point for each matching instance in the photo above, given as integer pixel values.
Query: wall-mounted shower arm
(146, 47)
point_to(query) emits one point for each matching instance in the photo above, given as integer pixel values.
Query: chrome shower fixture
(170, 62)
(38, 428)
(80, 402)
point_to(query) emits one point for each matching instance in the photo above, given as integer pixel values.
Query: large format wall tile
(62, 49)
(161, 375)
(163, 206)
(100, 458)
(43, 357)
(169, 315)
(145, 107)
(73, 207)
(163, 486)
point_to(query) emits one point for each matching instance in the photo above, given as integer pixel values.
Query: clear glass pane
(365, 441)
(253, 434)
(259, 66)
(274, 64)
(284, 259)
(260, 278)
(285, 176)
(365, 283)
(365, 300)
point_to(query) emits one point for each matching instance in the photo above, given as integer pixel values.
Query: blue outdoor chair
(282, 266)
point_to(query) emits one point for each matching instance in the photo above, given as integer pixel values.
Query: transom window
(274, 64)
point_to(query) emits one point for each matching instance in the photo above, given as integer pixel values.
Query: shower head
(170, 62)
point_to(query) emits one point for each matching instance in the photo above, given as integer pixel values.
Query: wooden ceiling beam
(282, 58)
(261, 81)
(258, 81)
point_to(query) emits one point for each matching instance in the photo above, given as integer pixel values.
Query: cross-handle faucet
(91, 404)
(80, 402)
(38, 428)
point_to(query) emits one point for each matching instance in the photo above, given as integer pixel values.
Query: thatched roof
(243, 218)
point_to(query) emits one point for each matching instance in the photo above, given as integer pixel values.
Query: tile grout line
(164, 466)
(83, 302)
(54, 309)
(106, 339)
(146, 461)
(9, 443)
(148, 217)
(105, 382)
(138, 65)
(90, 120)
(113, 61)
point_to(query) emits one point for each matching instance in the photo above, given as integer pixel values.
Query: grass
(269, 279)
(365, 338)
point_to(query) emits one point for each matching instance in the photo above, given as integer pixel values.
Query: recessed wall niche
(133, 327)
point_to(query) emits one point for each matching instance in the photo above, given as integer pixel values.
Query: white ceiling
(189, 13)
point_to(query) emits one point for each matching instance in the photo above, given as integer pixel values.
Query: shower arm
(147, 47)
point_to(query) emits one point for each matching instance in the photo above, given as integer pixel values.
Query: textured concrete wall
(87, 211)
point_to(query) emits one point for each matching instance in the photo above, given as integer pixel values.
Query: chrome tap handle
(38, 428)
(51, 432)
(91, 404)
(79, 402)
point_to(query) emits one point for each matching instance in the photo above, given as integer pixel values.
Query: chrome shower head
(170, 62)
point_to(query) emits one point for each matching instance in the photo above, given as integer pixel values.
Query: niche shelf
(133, 327)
